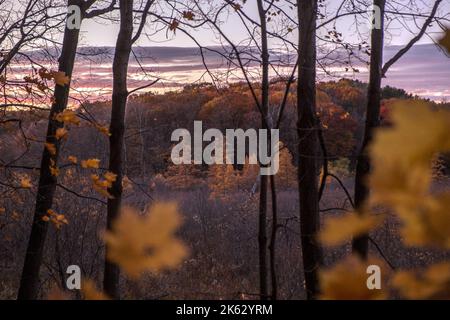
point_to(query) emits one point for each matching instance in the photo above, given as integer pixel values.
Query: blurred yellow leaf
(433, 283)
(402, 157)
(61, 133)
(347, 280)
(146, 243)
(90, 291)
(338, 230)
(60, 78)
(56, 293)
(427, 223)
(418, 130)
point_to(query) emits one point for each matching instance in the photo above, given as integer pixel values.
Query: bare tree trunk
(262, 233)
(29, 282)
(273, 239)
(308, 145)
(360, 244)
(117, 129)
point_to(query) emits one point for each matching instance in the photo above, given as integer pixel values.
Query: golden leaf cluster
(90, 163)
(101, 185)
(57, 219)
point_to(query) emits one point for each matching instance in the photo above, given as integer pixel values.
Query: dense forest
(93, 205)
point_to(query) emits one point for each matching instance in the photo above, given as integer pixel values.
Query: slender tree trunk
(273, 239)
(308, 145)
(262, 233)
(361, 244)
(29, 282)
(117, 129)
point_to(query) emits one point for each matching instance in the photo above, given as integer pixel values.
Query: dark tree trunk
(308, 145)
(117, 129)
(29, 282)
(273, 239)
(262, 233)
(361, 244)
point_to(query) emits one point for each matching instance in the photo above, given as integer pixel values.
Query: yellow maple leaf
(347, 280)
(433, 283)
(25, 183)
(445, 41)
(338, 230)
(146, 243)
(418, 131)
(90, 291)
(60, 78)
(90, 163)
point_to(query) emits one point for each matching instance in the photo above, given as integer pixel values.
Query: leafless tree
(120, 95)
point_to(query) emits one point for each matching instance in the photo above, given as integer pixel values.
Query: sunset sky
(101, 33)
